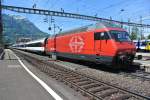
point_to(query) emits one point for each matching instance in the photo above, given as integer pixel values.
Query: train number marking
(76, 44)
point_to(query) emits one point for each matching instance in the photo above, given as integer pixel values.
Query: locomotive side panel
(79, 43)
(107, 48)
(62, 44)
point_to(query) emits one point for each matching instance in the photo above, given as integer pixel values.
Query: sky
(117, 9)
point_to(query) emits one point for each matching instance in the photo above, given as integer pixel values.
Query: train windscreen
(120, 35)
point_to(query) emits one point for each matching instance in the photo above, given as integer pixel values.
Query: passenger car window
(35, 45)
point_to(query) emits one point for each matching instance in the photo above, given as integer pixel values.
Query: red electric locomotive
(100, 43)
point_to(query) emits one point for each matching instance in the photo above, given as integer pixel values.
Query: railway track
(90, 87)
(145, 76)
(146, 57)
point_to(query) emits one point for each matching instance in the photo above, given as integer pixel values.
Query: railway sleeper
(85, 93)
(91, 85)
(73, 78)
(118, 96)
(60, 76)
(107, 93)
(98, 89)
(66, 76)
(54, 75)
(72, 85)
(48, 71)
(66, 72)
(45, 69)
(80, 80)
(84, 83)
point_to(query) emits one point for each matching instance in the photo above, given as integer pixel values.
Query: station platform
(143, 53)
(145, 61)
(17, 84)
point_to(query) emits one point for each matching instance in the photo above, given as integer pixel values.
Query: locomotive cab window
(101, 36)
(120, 35)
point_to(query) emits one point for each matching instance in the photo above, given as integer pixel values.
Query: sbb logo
(76, 44)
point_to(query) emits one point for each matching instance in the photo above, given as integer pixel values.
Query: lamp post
(122, 10)
(141, 20)
(141, 30)
(129, 26)
(1, 26)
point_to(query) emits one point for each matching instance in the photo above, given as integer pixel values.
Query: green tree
(142, 36)
(133, 36)
(148, 36)
(134, 33)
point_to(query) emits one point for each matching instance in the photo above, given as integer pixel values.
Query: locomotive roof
(90, 27)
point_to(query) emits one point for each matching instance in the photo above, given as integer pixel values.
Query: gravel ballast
(135, 85)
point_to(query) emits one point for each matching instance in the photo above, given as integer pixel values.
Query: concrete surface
(17, 84)
(143, 53)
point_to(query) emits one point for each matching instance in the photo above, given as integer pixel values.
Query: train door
(101, 42)
(45, 45)
(54, 54)
(97, 43)
(104, 43)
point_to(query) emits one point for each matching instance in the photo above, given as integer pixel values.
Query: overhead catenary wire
(66, 15)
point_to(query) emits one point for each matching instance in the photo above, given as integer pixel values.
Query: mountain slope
(17, 26)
